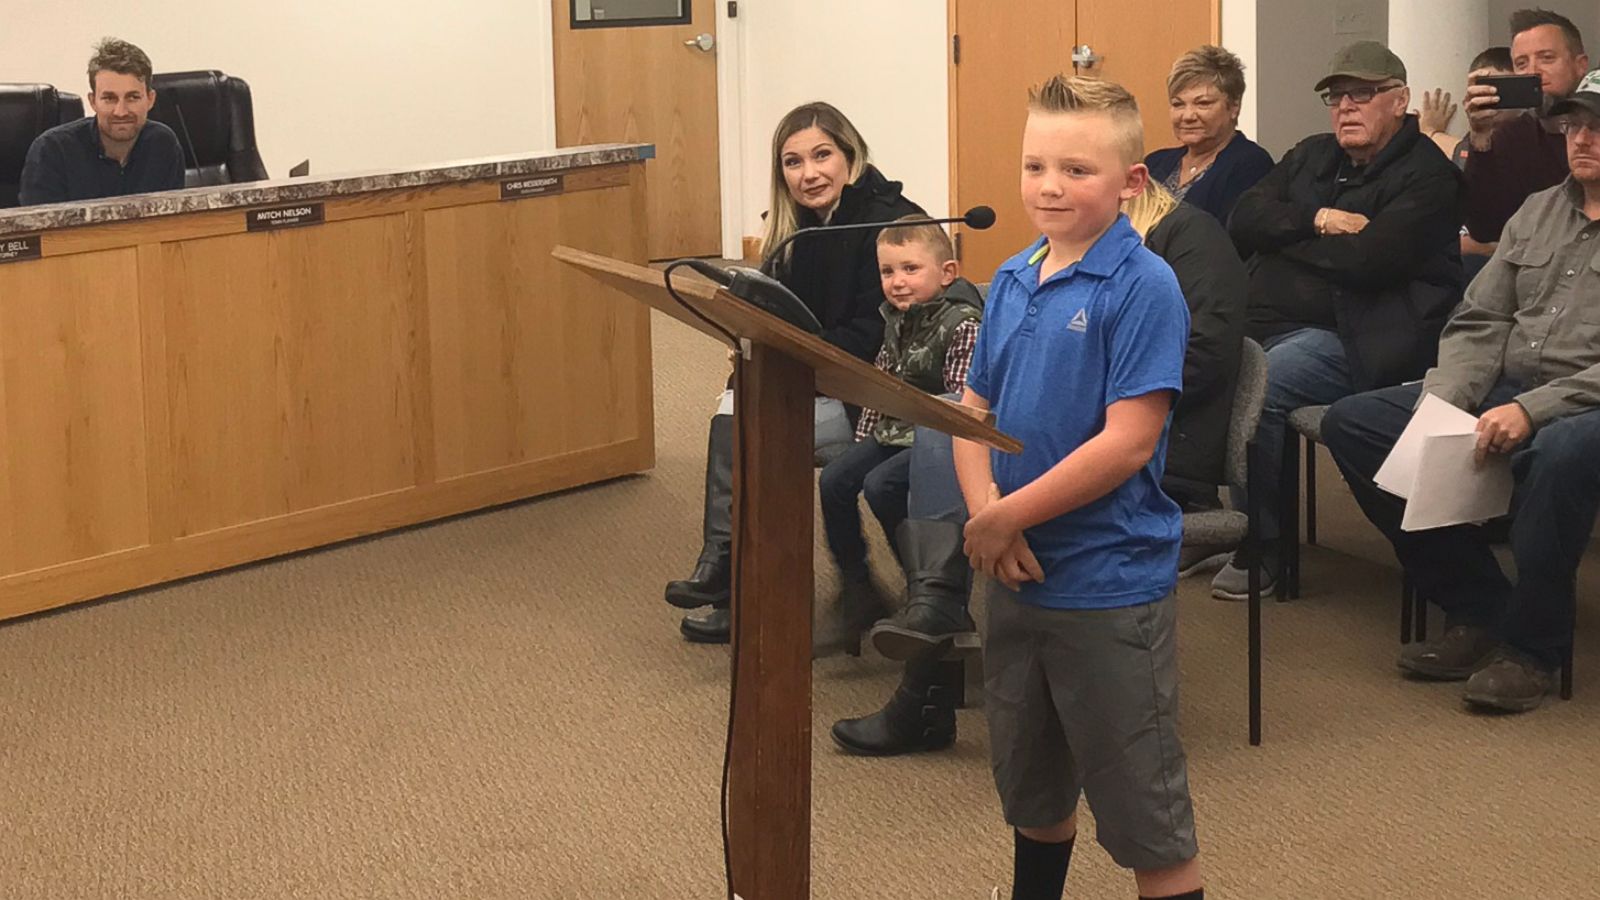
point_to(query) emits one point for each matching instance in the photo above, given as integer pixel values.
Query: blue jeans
(1553, 511)
(869, 468)
(1304, 368)
(935, 493)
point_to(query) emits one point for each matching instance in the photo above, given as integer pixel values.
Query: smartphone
(1516, 91)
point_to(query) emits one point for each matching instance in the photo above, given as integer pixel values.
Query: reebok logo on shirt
(1080, 321)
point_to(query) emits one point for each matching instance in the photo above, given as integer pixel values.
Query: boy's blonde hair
(1149, 207)
(919, 229)
(1077, 94)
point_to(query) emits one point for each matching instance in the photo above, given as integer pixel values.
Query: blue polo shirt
(1049, 359)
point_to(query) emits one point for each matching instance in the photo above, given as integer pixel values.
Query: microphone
(758, 289)
(978, 217)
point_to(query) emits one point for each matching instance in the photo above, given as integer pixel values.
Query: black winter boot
(938, 580)
(919, 718)
(709, 583)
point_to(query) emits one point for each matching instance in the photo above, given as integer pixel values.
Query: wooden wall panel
(530, 358)
(288, 379)
(72, 452)
(178, 395)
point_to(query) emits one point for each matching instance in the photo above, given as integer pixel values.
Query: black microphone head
(979, 217)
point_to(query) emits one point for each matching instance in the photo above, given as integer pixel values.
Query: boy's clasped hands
(996, 546)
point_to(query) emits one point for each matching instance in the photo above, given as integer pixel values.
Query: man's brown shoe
(1511, 682)
(1454, 657)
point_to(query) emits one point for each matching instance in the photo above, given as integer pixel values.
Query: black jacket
(836, 275)
(1214, 285)
(1388, 290)
(1236, 169)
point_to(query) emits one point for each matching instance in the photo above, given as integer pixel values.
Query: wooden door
(1007, 46)
(649, 83)
(1137, 41)
(999, 49)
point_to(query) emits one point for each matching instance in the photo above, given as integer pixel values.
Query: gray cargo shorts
(1087, 700)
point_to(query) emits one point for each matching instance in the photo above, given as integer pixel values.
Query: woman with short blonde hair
(1214, 162)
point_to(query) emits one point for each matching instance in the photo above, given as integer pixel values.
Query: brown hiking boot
(1511, 682)
(1454, 657)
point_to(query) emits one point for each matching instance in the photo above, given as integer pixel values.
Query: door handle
(703, 42)
(1083, 57)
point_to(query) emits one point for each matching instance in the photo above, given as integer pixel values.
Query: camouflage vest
(915, 343)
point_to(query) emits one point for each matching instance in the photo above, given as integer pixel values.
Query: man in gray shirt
(1523, 351)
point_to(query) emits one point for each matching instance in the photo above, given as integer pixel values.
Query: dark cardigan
(1236, 169)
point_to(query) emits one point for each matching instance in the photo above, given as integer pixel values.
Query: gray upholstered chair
(1306, 423)
(1238, 527)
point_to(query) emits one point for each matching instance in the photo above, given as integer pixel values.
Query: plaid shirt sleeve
(869, 417)
(958, 357)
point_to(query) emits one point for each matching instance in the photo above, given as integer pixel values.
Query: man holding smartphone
(1514, 157)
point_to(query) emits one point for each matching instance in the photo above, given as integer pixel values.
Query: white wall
(886, 71)
(1239, 36)
(351, 85)
(1437, 40)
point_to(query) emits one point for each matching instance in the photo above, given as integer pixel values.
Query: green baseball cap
(1366, 61)
(1586, 97)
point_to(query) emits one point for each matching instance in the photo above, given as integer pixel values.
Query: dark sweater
(836, 275)
(1236, 169)
(1214, 286)
(1386, 290)
(1523, 158)
(68, 162)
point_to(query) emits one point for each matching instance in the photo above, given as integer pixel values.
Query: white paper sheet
(1452, 488)
(1433, 416)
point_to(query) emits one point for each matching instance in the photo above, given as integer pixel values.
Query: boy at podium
(930, 318)
(1081, 358)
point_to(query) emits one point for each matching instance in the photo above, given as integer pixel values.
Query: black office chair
(215, 123)
(27, 111)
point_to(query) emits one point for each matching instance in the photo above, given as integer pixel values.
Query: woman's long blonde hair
(783, 213)
(1149, 207)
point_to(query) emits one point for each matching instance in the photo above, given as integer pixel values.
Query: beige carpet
(499, 706)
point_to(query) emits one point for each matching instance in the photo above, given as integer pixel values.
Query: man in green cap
(1354, 257)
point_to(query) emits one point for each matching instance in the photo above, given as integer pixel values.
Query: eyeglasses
(1571, 125)
(1360, 96)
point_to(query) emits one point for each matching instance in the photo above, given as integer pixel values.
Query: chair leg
(1407, 591)
(1289, 520)
(1311, 494)
(1419, 612)
(1566, 654)
(1253, 548)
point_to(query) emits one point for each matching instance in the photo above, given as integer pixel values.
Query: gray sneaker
(1233, 582)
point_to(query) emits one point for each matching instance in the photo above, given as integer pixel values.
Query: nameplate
(532, 186)
(275, 217)
(17, 249)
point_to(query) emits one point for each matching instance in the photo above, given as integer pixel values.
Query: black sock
(1196, 894)
(1038, 869)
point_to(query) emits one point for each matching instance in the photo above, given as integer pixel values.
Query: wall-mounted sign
(531, 186)
(274, 217)
(20, 247)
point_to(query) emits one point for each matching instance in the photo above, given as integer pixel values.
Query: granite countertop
(289, 190)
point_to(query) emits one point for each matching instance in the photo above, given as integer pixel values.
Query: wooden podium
(779, 371)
